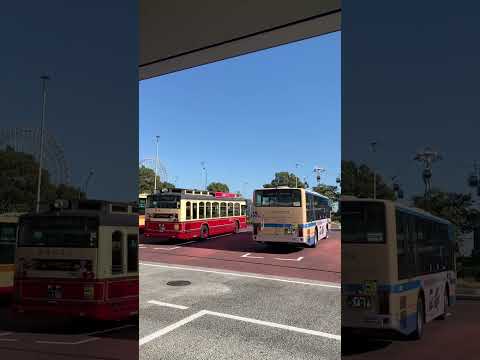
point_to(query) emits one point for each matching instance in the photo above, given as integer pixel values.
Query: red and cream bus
(142, 201)
(80, 258)
(190, 214)
(8, 239)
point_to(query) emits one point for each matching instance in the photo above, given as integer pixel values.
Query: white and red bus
(190, 214)
(80, 258)
(8, 239)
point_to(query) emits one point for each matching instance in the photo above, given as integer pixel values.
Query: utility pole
(156, 168)
(206, 175)
(373, 145)
(427, 157)
(42, 138)
(297, 165)
(90, 174)
(318, 170)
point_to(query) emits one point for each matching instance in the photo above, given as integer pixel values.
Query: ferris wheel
(161, 169)
(28, 141)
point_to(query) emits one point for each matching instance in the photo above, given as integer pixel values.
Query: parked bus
(290, 215)
(8, 239)
(398, 267)
(142, 202)
(80, 258)
(193, 214)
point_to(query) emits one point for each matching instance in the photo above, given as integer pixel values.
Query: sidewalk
(468, 294)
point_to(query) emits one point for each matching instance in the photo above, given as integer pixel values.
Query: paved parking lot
(238, 252)
(235, 315)
(37, 337)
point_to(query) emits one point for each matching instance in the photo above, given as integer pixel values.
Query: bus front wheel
(418, 333)
(204, 232)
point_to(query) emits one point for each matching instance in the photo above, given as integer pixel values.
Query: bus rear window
(162, 201)
(58, 231)
(278, 198)
(363, 222)
(8, 236)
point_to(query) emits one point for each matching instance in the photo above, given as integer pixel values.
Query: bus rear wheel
(446, 301)
(204, 232)
(315, 240)
(418, 333)
(237, 227)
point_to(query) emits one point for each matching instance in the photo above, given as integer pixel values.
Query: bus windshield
(278, 198)
(59, 231)
(141, 205)
(8, 235)
(163, 201)
(363, 222)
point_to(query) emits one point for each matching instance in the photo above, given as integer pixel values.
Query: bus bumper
(281, 239)
(168, 235)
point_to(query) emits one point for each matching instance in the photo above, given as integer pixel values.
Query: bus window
(208, 208)
(188, 211)
(194, 210)
(278, 197)
(310, 208)
(215, 209)
(201, 210)
(244, 209)
(363, 222)
(237, 209)
(7, 243)
(132, 255)
(223, 209)
(117, 253)
(230, 209)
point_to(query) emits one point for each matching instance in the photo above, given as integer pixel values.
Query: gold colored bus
(398, 267)
(290, 215)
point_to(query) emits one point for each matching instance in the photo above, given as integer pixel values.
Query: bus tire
(204, 232)
(237, 227)
(418, 333)
(446, 301)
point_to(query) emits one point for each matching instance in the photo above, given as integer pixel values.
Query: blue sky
(248, 117)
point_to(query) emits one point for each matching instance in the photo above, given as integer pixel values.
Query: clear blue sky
(248, 117)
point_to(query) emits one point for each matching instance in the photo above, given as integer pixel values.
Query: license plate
(363, 302)
(55, 292)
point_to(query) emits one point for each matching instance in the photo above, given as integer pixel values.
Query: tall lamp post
(156, 167)
(373, 147)
(427, 157)
(44, 78)
(204, 168)
(297, 165)
(318, 171)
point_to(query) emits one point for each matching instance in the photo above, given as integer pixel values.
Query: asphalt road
(41, 337)
(238, 252)
(234, 315)
(457, 337)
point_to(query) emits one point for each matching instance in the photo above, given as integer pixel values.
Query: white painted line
(109, 330)
(275, 325)
(297, 259)
(242, 275)
(189, 242)
(217, 236)
(247, 255)
(173, 248)
(159, 303)
(170, 328)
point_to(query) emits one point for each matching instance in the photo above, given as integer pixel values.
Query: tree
(18, 183)
(358, 181)
(285, 178)
(146, 181)
(330, 191)
(218, 186)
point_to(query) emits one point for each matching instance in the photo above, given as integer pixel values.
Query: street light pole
(297, 165)
(373, 144)
(156, 168)
(42, 135)
(206, 175)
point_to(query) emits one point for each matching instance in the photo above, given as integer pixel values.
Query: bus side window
(310, 209)
(230, 209)
(194, 210)
(208, 207)
(244, 210)
(188, 211)
(201, 210)
(215, 208)
(237, 209)
(223, 209)
(132, 254)
(117, 252)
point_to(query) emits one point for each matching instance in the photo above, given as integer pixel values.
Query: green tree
(284, 178)
(357, 180)
(18, 183)
(146, 181)
(218, 186)
(330, 191)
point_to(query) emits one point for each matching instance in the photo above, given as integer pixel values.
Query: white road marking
(243, 275)
(275, 325)
(85, 340)
(297, 259)
(217, 236)
(172, 248)
(170, 328)
(109, 330)
(160, 303)
(174, 326)
(247, 255)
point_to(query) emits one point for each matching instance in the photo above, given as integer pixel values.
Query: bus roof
(293, 188)
(195, 194)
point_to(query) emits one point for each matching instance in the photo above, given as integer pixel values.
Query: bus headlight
(88, 291)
